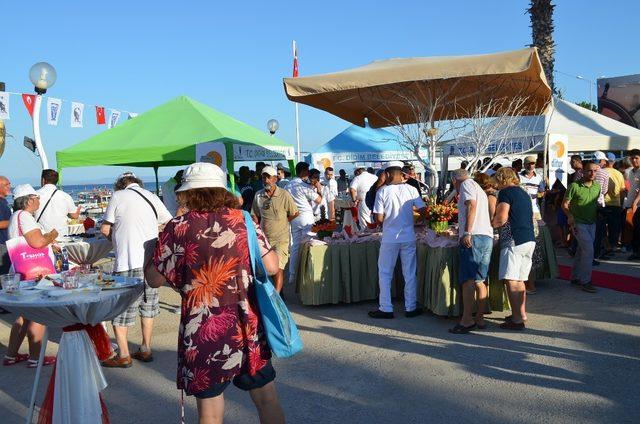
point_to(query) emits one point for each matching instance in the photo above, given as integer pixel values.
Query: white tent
(586, 130)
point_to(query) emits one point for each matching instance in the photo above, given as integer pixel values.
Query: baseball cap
(611, 157)
(203, 175)
(270, 171)
(599, 155)
(22, 190)
(530, 159)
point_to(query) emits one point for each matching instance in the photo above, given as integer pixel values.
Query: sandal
(11, 360)
(48, 360)
(461, 329)
(510, 318)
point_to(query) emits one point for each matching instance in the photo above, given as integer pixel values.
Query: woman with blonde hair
(513, 218)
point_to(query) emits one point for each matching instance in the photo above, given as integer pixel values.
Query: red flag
(295, 60)
(29, 102)
(100, 118)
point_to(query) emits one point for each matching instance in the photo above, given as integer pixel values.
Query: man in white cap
(533, 183)
(132, 218)
(274, 209)
(393, 208)
(358, 188)
(305, 196)
(55, 205)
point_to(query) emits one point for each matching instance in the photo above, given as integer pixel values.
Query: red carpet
(618, 282)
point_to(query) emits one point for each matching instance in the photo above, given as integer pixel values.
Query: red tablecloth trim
(102, 344)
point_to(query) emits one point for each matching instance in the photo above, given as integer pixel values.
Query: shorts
(282, 250)
(515, 261)
(244, 382)
(147, 305)
(474, 261)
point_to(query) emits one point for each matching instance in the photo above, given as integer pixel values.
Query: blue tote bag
(282, 333)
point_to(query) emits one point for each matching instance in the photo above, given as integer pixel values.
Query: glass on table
(70, 280)
(10, 282)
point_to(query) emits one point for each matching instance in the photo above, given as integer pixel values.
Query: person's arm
(492, 201)
(566, 203)
(4, 225)
(378, 208)
(37, 240)
(105, 229)
(471, 216)
(255, 210)
(271, 262)
(501, 215)
(353, 193)
(151, 274)
(76, 214)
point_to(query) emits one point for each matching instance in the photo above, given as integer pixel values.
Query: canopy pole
(155, 171)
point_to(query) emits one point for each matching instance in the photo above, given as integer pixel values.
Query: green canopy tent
(167, 135)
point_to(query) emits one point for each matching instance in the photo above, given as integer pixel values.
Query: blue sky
(232, 56)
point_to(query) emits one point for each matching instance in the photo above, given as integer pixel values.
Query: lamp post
(272, 126)
(580, 77)
(43, 76)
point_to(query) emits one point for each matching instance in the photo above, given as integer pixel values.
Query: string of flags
(54, 109)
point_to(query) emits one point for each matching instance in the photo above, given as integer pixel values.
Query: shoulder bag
(279, 326)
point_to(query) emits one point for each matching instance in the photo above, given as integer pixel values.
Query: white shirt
(134, 223)
(470, 190)
(27, 224)
(362, 183)
(327, 197)
(169, 196)
(396, 202)
(333, 186)
(633, 176)
(304, 196)
(532, 186)
(56, 213)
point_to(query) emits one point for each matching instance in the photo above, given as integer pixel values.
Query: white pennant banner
(113, 118)
(132, 115)
(54, 106)
(4, 105)
(77, 112)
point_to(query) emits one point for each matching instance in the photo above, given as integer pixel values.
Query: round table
(78, 376)
(87, 251)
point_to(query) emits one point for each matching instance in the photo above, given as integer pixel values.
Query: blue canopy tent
(359, 145)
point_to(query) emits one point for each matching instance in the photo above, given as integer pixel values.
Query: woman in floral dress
(204, 255)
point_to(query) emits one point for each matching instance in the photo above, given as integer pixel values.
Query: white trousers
(299, 230)
(386, 265)
(364, 215)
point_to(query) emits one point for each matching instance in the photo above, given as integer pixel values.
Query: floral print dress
(205, 257)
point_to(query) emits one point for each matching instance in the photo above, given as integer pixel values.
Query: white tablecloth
(88, 251)
(79, 378)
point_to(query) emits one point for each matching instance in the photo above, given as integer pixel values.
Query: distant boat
(94, 202)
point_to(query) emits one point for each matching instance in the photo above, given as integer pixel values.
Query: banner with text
(558, 154)
(252, 152)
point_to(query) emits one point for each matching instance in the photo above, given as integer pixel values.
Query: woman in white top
(23, 222)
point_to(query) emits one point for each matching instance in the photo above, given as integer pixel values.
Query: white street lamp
(272, 126)
(580, 77)
(43, 76)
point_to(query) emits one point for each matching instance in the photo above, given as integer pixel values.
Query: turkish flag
(295, 60)
(29, 102)
(100, 118)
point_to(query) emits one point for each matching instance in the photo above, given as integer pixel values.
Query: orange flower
(210, 280)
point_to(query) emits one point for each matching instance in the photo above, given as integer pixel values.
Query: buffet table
(348, 272)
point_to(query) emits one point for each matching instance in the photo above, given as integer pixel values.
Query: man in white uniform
(532, 182)
(394, 209)
(132, 219)
(305, 196)
(359, 187)
(169, 192)
(55, 205)
(332, 186)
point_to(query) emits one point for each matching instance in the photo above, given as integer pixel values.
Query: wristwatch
(466, 233)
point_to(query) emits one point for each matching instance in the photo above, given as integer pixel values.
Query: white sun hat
(203, 175)
(22, 190)
(394, 164)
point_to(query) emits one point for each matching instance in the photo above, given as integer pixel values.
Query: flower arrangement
(439, 214)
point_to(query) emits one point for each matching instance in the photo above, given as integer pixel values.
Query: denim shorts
(474, 261)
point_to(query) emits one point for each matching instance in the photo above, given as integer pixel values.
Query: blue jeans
(474, 260)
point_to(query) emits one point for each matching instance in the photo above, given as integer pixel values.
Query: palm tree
(541, 14)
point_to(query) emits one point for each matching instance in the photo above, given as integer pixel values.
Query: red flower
(190, 355)
(256, 362)
(200, 380)
(216, 326)
(211, 280)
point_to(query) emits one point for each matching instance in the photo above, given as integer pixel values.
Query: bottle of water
(65, 259)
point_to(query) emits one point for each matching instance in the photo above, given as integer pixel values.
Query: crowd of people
(195, 240)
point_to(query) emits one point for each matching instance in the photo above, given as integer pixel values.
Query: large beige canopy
(383, 92)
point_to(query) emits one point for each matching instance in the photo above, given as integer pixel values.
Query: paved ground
(577, 362)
